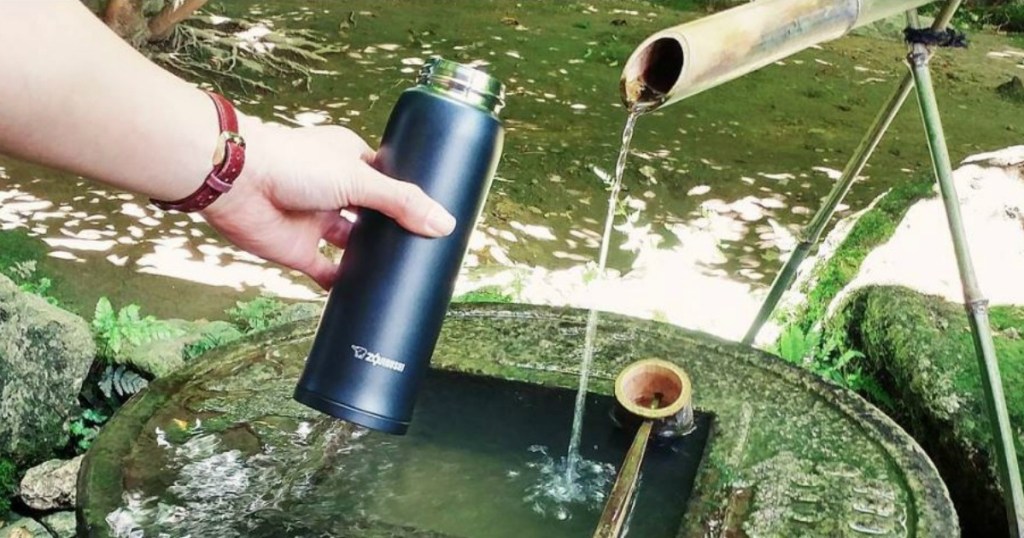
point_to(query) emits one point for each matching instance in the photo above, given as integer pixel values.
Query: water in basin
(474, 464)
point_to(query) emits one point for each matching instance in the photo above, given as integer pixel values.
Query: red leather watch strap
(228, 161)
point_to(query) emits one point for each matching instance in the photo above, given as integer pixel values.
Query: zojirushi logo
(377, 359)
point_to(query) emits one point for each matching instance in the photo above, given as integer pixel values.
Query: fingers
(322, 271)
(336, 229)
(402, 201)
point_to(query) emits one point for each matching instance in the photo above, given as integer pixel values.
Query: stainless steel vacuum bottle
(384, 314)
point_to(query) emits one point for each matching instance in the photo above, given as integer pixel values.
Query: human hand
(295, 183)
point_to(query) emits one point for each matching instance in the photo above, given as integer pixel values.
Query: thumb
(402, 201)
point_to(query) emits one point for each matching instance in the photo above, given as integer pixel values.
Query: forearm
(75, 96)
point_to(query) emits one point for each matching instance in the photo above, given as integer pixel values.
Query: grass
(16, 246)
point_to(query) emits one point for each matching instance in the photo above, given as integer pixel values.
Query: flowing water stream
(573, 457)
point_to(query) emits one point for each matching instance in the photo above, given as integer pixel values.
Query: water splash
(573, 463)
(557, 492)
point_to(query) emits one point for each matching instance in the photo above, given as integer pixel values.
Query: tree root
(216, 50)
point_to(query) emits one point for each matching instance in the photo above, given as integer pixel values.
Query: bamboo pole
(812, 234)
(977, 305)
(689, 58)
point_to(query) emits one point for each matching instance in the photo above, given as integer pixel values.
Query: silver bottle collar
(467, 84)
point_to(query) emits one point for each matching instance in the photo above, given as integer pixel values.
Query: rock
(24, 528)
(51, 485)
(922, 350)
(61, 524)
(45, 354)
(1012, 90)
(919, 255)
(161, 357)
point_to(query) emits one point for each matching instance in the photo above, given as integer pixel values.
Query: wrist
(227, 163)
(251, 178)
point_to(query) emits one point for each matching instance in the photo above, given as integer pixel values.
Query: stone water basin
(220, 449)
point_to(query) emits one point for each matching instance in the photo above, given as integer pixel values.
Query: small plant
(114, 330)
(256, 315)
(119, 381)
(830, 358)
(8, 485)
(25, 275)
(85, 428)
(795, 346)
(208, 342)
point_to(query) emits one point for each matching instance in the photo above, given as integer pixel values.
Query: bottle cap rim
(463, 82)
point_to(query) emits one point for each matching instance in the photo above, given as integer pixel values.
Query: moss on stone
(8, 485)
(875, 227)
(922, 351)
(45, 354)
(486, 294)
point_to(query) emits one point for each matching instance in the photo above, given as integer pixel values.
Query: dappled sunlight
(141, 239)
(677, 284)
(218, 266)
(920, 253)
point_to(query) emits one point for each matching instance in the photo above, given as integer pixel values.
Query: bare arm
(74, 96)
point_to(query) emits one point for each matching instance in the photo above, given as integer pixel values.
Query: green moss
(871, 230)
(8, 485)
(486, 294)
(922, 350)
(16, 246)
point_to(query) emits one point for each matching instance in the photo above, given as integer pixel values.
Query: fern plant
(121, 382)
(25, 275)
(86, 427)
(256, 315)
(796, 346)
(829, 357)
(206, 343)
(115, 330)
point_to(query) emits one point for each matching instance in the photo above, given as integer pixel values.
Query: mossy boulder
(162, 356)
(61, 524)
(24, 528)
(922, 351)
(1012, 90)
(45, 354)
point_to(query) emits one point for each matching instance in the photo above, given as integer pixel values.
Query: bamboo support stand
(919, 78)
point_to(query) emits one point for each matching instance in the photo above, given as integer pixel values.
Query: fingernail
(440, 222)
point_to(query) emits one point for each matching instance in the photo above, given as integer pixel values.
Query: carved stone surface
(790, 456)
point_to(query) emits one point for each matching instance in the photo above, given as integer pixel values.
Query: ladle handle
(616, 510)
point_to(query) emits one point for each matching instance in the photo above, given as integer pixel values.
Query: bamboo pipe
(684, 60)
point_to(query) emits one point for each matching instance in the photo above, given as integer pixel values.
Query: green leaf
(792, 345)
(94, 416)
(114, 342)
(104, 311)
(106, 383)
(121, 381)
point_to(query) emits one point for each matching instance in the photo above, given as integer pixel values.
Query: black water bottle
(384, 314)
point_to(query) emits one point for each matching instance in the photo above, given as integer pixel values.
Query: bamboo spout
(684, 60)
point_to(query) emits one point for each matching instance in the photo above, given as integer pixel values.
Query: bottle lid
(465, 83)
